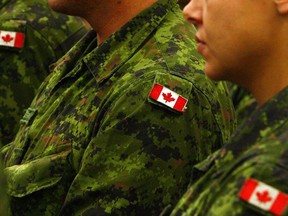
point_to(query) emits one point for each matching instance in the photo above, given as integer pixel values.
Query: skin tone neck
(272, 75)
(110, 15)
(269, 84)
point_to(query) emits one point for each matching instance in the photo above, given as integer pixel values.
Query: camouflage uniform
(244, 103)
(48, 36)
(3, 195)
(93, 142)
(258, 150)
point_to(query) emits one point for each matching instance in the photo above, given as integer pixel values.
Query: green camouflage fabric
(243, 101)
(4, 203)
(94, 143)
(48, 36)
(258, 149)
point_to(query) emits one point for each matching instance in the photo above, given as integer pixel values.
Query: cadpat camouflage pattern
(93, 142)
(243, 101)
(257, 150)
(45, 36)
(4, 202)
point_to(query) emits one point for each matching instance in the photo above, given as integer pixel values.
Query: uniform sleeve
(4, 204)
(22, 71)
(229, 202)
(141, 155)
(226, 189)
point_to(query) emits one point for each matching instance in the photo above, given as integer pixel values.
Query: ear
(282, 6)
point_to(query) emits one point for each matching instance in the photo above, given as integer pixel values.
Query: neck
(267, 74)
(110, 15)
(266, 89)
(271, 77)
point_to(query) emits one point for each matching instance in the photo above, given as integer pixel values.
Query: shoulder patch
(168, 97)
(264, 196)
(12, 39)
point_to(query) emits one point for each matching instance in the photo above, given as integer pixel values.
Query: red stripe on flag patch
(156, 91)
(19, 40)
(180, 104)
(279, 204)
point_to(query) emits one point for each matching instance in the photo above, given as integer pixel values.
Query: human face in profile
(233, 36)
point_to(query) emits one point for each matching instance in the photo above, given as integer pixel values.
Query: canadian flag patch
(12, 39)
(168, 97)
(264, 196)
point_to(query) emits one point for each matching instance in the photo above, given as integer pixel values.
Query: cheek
(218, 70)
(219, 22)
(223, 57)
(225, 39)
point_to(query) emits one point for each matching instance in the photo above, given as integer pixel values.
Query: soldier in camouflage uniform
(107, 132)
(249, 175)
(32, 37)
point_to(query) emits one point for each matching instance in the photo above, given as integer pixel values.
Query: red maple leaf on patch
(263, 197)
(168, 97)
(7, 38)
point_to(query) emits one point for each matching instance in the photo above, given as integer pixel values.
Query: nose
(193, 12)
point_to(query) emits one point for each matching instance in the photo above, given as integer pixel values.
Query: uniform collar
(116, 50)
(269, 118)
(273, 114)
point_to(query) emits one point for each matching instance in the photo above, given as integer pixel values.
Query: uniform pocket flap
(35, 175)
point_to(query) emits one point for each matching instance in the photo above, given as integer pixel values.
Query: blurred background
(182, 3)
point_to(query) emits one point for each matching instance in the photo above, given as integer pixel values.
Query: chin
(213, 73)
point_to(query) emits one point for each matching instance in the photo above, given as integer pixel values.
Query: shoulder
(53, 28)
(254, 179)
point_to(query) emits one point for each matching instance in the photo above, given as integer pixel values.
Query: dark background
(182, 3)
